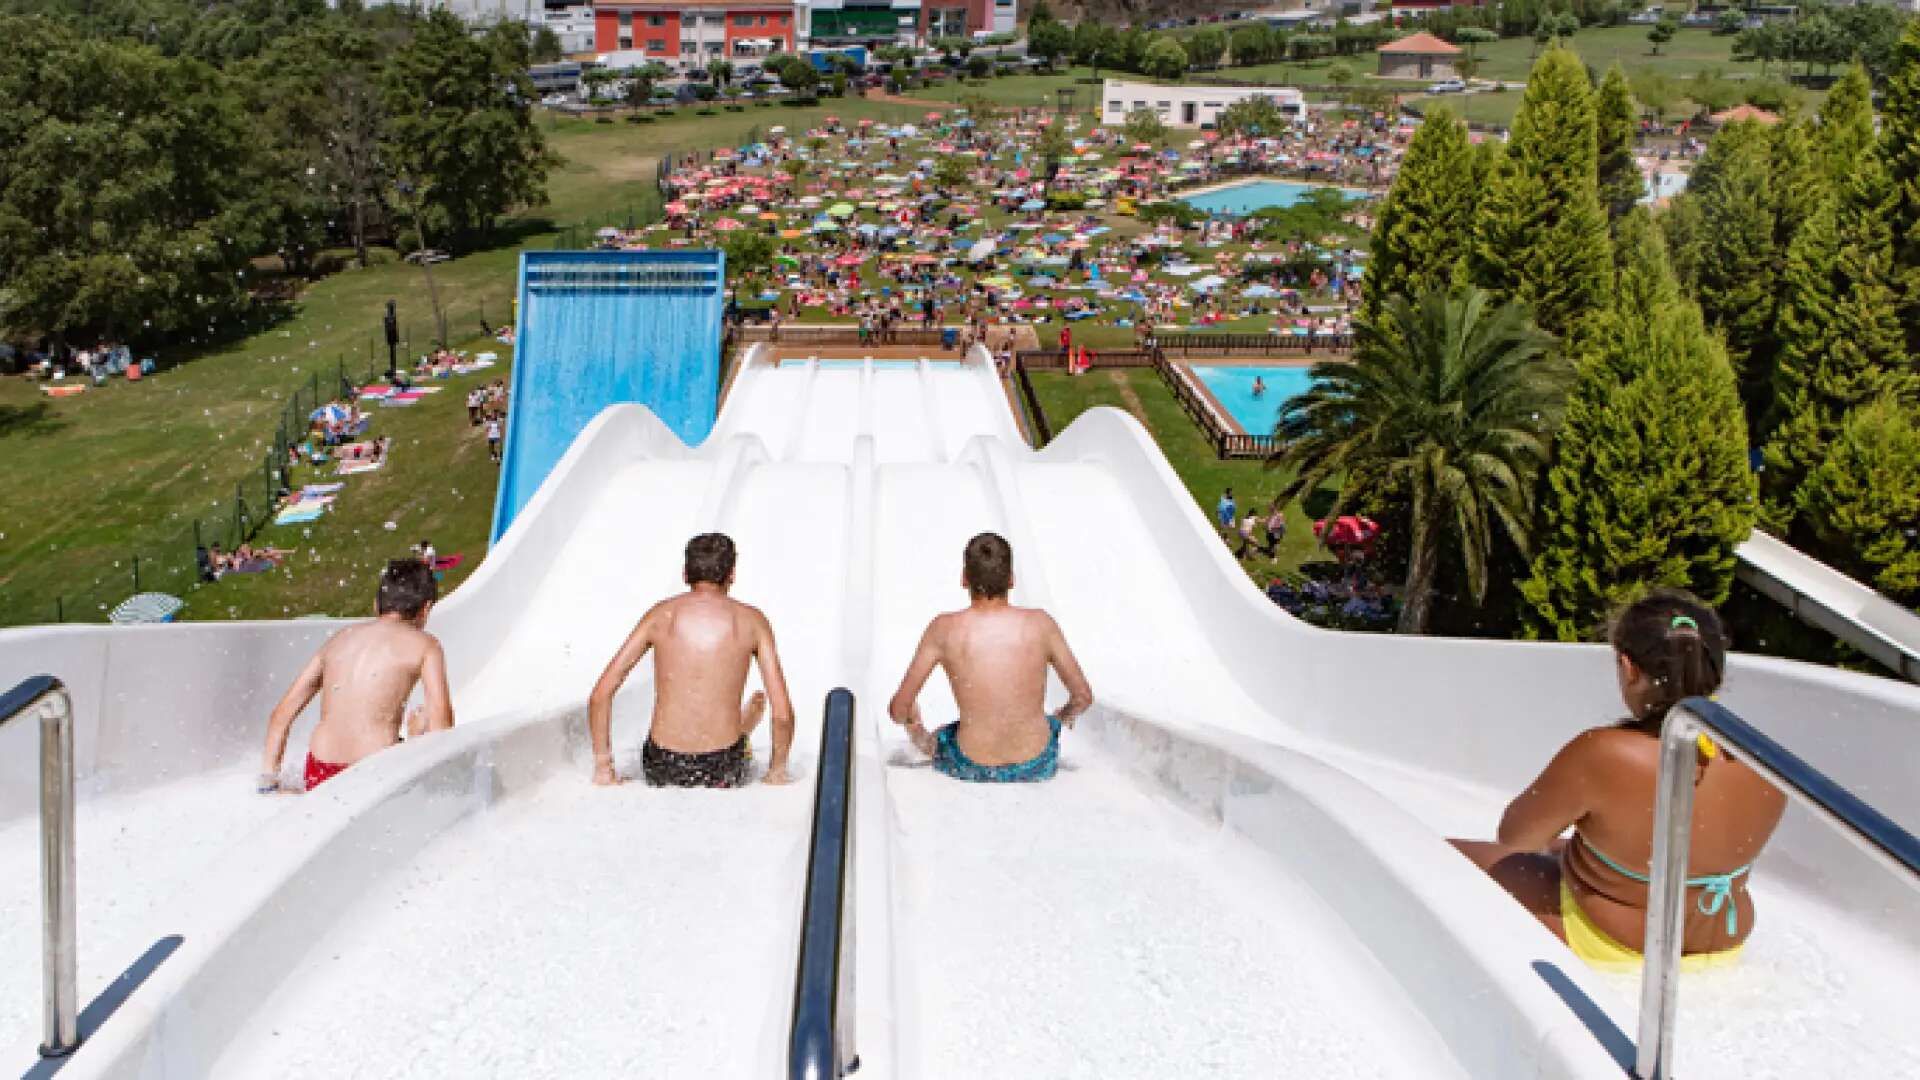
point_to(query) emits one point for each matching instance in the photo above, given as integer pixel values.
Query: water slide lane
(1189, 949)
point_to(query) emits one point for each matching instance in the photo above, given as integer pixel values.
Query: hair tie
(1686, 621)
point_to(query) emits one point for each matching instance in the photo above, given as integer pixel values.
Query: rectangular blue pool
(1233, 386)
(1241, 199)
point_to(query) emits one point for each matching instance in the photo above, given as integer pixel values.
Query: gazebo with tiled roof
(1418, 56)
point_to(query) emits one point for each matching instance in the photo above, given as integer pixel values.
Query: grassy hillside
(124, 470)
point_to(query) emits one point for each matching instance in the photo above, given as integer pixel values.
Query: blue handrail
(821, 1044)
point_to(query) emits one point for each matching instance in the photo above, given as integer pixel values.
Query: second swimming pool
(1233, 386)
(1238, 200)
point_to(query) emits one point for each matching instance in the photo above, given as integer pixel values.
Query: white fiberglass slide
(1241, 870)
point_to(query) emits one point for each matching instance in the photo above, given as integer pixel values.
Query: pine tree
(1425, 224)
(1839, 329)
(1621, 184)
(1649, 483)
(1864, 499)
(1900, 147)
(1542, 234)
(1733, 259)
(1846, 124)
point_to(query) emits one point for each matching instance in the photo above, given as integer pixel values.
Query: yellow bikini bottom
(1602, 953)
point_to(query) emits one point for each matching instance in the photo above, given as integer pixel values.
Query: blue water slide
(599, 328)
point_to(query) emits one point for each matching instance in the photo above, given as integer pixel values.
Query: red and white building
(690, 34)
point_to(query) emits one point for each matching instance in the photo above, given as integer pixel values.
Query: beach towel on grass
(401, 401)
(253, 566)
(448, 562)
(293, 515)
(349, 468)
(320, 489)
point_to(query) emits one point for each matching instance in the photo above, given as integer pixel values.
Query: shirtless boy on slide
(366, 673)
(996, 657)
(702, 641)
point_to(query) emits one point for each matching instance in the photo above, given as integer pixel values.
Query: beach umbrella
(750, 208)
(607, 231)
(727, 224)
(980, 251)
(1034, 204)
(146, 607)
(840, 210)
(329, 412)
(1260, 292)
(676, 207)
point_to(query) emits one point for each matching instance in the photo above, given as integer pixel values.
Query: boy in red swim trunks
(367, 672)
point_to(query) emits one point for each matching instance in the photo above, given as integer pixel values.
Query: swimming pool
(1233, 386)
(1239, 199)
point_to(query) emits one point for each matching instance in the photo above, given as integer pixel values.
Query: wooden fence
(1256, 344)
(1226, 443)
(791, 334)
(1055, 360)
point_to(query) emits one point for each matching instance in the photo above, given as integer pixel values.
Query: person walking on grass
(1276, 528)
(493, 438)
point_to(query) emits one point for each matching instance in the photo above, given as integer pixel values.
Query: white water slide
(1241, 870)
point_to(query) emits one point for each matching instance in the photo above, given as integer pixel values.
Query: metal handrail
(59, 994)
(1869, 829)
(821, 1045)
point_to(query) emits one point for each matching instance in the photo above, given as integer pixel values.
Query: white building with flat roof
(1189, 106)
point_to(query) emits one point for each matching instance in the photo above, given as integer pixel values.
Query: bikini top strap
(1716, 890)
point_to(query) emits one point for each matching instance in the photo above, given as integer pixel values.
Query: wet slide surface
(134, 850)
(1085, 928)
(576, 931)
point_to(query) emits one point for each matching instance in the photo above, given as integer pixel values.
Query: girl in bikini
(1591, 889)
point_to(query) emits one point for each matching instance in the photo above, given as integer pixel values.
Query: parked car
(1447, 86)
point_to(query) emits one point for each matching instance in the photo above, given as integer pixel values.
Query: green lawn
(1140, 392)
(122, 470)
(1020, 91)
(1691, 50)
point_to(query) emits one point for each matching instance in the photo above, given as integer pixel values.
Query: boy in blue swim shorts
(996, 658)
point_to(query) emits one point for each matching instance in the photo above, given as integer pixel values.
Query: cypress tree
(1900, 147)
(1426, 222)
(1841, 342)
(1733, 258)
(1846, 124)
(1621, 184)
(1542, 234)
(1864, 499)
(1649, 484)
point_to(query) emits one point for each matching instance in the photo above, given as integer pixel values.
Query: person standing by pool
(1667, 647)
(1226, 510)
(996, 658)
(703, 641)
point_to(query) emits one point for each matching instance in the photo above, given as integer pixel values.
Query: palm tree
(1449, 399)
